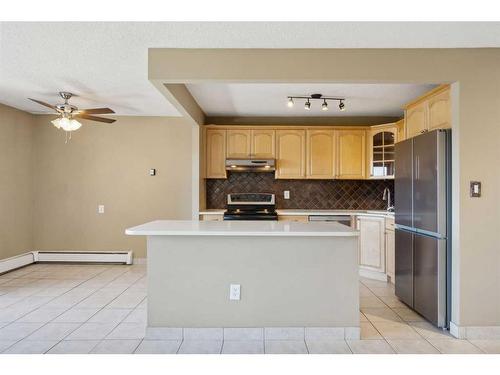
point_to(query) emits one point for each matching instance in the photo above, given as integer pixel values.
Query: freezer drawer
(404, 266)
(429, 280)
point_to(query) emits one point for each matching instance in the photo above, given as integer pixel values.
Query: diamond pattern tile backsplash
(304, 194)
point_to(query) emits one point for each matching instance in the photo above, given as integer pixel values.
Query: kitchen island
(291, 276)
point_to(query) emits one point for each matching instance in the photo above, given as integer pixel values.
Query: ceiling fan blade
(96, 111)
(44, 104)
(95, 118)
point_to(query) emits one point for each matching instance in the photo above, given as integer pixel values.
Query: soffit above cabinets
(270, 99)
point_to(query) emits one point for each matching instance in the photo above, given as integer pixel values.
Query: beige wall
(476, 248)
(16, 198)
(109, 165)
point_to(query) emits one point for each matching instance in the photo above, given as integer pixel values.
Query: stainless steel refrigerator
(423, 224)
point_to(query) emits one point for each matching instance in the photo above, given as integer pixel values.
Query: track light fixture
(324, 106)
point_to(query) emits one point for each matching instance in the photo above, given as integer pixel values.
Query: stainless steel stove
(250, 206)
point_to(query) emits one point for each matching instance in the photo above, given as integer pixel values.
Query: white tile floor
(55, 308)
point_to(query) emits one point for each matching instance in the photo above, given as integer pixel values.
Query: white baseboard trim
(254, 333)
(84, 256)
(15, 262)
(18, 261)
(373, 275)
(475, 332)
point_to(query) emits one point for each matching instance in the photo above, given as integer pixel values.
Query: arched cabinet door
(382, 153)
(351, 154)
(440, 111)
(216, 153)
(291, 153)
(320, 154)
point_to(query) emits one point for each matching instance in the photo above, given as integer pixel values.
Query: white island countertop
(306, 212)
(241, 228)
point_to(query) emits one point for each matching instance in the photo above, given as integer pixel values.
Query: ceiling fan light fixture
(57, 122)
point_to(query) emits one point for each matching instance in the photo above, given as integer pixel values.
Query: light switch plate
(286, 194)
(152, 172)
(234, 292)
(475, 189)
(100, 208)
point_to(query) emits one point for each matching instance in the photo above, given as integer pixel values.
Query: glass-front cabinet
(382, 152)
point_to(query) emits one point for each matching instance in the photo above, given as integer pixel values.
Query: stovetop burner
(250, 206)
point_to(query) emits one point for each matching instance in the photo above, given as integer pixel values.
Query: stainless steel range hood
(250, 165)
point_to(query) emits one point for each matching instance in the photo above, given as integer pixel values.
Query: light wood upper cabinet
(431, 111)
(216, 153)
(401, 130)
(238, 144)
(291, 154)
(263, 144)
(440, 111)
(416, 120)
(381, 151)
(320, 157)
(371, 243)
(351, 154)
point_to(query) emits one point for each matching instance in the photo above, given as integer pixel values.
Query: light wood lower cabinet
(296, 218)
(351, 154)
(216, 153)
(320, 154)
(371, 243)
(390, 254)
(291, 154)
(212, 217)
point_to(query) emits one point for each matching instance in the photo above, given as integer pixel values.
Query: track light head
(342, 106)
(290, 103)
(324, 106)
(307, 105)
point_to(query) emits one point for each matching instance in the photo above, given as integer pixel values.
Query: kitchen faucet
(387, 197)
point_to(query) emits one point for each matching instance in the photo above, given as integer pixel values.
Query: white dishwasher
(342, 218)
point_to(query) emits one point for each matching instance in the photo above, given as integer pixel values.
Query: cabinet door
(440, 111)
(372, 243)
(381, 146)
(390, 253)
(320, 154)
(238, 144)
(416, 120)
(351, 154)
(401, 131)
(263, 144)
(216, 153)
(291, 152)
(295, 218)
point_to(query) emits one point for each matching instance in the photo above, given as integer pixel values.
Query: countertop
(240, 228)
(298, 212)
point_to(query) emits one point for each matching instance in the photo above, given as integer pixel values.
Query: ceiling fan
(69, 112)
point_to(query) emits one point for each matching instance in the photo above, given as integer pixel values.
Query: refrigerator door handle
(417, 167)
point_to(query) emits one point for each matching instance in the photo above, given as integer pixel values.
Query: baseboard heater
(117, 257)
